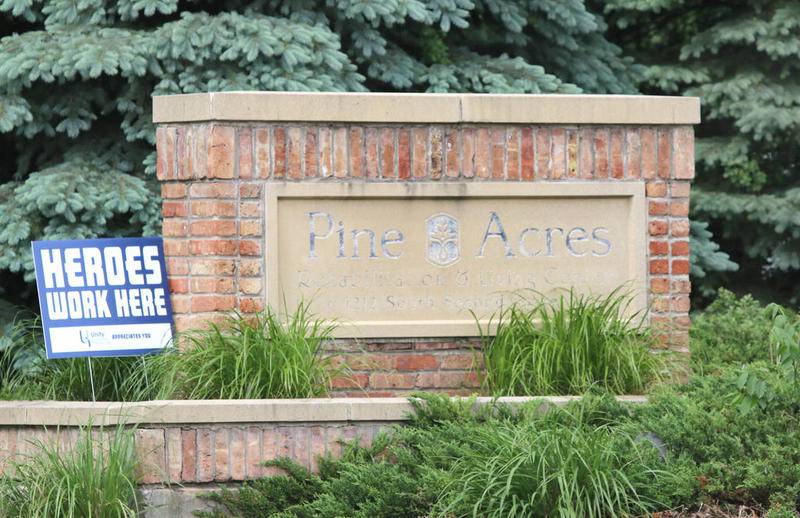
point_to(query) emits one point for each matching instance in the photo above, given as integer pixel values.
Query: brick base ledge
(222, 441)
(69, 413)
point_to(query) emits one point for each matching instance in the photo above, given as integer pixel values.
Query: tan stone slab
(427, 259)
(305, 106)
(580, 109)
(412, 108)
(182, 108)
(66, 413)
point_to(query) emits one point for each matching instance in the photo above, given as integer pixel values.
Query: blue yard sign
(103, 297)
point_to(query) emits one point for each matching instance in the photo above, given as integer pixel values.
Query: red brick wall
(213, 176)
(383, 368)
(198, 453)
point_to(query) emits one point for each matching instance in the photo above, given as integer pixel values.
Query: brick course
(203, 454)
(213, 174)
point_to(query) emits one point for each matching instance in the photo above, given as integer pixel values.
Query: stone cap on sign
(176, 412)
(412, 108)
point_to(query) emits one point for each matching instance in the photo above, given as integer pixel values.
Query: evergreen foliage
(731, 331)
(687, 446)
(457, 461)
(741, 58)
(76, 79)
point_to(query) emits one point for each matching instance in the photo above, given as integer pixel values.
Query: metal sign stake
(144, 369)
(91, 378)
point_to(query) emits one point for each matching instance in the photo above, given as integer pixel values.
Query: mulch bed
(713, 511)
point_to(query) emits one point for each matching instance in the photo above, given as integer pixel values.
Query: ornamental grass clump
(115, 379)
(21, 357)
(247, 356)
(26, 373)
(250, 357)
(569, 346)
(524, 470)
(97, 477)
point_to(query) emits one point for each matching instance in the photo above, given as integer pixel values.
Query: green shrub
(399, 476)
(451, 462)
(730, 331)
(748, 458)
(248, 357)
(595, 457)
(96, 478)
(386, 480)
(268, 496)
(569, 346)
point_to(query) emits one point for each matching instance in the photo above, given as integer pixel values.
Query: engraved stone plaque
(427, 259)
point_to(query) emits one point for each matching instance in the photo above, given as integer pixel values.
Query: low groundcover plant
(687, 447)
(569, 346)
(453, 460)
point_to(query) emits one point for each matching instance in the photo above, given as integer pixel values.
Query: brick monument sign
(406, 217)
